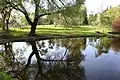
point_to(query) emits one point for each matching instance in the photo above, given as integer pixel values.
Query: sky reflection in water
(101, 61)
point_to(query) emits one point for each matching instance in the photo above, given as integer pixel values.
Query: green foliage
(104, 18)
(104, 45)
(93, 19)
(72, 15)
(45, 21)
(23, 21)
(5, 12)
(65, 8)
(109, 15)
(4, 76)
(41, 8)
(85, 19)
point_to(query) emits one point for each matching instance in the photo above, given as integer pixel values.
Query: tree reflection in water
(10, 64)
(116, 44)
(65, 67)
(103, 45)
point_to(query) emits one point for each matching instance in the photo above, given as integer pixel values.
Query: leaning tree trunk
(32, 30)
(33, 27)
(7, 22)
(3, 25)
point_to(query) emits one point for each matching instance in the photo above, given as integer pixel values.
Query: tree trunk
(33, 29)
(7, 22)
(3, 25)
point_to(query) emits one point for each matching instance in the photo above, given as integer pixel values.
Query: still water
(62, 59)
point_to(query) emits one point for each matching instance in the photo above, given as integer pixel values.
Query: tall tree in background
(85, 22)
(39, 8)
(92, 19)
(5, 12)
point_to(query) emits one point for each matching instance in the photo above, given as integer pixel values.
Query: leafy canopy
(43, 7)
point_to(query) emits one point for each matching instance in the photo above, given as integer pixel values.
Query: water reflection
(52, 60)
(116, 44)
(62, 59)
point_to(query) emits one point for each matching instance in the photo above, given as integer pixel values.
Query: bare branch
(60, 8)
(36, 7)
(48, 13)
(14, 6)
(21, 9)
(55, 4)
(62, 3)
(64, 54)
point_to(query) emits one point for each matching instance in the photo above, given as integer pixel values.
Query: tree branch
(48, 13)
(29, 60)
(14, 6)
(21, 9)
(64, 54)
(36, 7)
(59, 8)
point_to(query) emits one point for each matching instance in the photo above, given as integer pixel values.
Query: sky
(94, 6)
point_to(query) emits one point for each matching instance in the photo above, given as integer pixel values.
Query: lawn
(52, 30)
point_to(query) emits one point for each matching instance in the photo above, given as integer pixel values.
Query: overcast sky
(95, 6)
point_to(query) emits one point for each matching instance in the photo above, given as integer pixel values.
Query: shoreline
(45, 37)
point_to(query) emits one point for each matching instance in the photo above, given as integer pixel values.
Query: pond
(87, 58)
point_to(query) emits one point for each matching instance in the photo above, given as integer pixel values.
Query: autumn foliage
(116, 25)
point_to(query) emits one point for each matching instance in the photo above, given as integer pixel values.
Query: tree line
(106, 17)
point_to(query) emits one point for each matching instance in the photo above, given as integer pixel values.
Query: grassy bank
(52, 30)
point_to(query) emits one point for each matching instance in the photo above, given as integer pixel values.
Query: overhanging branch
(48, 13)
(14, 6)
(21, 9)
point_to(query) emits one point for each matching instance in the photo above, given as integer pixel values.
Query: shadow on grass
(18, 33)
(13, 34)
(62, 28)
(42, 31)
(46, 28)
(48, 31)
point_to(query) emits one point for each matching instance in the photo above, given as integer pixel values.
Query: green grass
(52, 30)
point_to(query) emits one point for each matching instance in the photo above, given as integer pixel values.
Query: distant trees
(5, 12)
(110, 14)
(92, 20)
(110, 17)
(107, 17)
(85, 19)
(23, 21)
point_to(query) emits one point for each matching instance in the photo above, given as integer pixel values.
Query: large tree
(41, 8)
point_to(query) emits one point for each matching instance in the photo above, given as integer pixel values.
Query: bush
(4, 76)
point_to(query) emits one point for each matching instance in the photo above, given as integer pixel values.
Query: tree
(110, 14)
(5, 12)
(40, 9)
(23, 21)
(104, 46)
(85, 20)
(92, 20)
(78, 16)
(116, 25)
